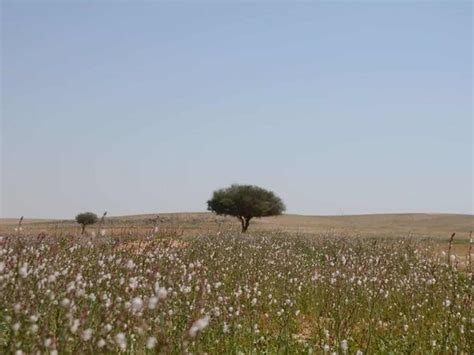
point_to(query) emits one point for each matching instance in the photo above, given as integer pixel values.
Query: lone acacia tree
(86, 219)
(245, 202)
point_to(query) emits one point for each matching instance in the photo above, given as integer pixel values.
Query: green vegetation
(85, 219)
(245, 202)
(231, 293)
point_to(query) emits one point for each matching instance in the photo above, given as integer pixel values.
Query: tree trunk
(245, 221)
(83, 229)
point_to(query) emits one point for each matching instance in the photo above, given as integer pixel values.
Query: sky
(147, 107)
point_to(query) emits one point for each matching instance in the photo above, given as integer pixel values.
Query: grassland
(435, 228)
(347, 285)
(377, 225)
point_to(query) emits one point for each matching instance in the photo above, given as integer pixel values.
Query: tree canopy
(245, 202)
(86, 219)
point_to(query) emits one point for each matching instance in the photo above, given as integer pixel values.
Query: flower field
(230, 293)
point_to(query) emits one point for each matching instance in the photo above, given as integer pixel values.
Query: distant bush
(245, 202)
(85, 219)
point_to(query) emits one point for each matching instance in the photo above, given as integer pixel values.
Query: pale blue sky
(340, 108)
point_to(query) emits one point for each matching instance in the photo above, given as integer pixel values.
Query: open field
(377, 225)
(232, 293)
(295, 284)
(436, 227)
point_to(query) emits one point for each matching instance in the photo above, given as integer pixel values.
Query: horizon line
(283, 214)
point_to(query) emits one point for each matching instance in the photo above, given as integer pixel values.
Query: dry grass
(372, 284)
(434, 229)
(271, 292)
(379, 225)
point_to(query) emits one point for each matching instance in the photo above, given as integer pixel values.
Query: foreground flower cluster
(269, 293)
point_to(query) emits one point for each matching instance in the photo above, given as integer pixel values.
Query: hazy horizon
(339, 108)
(157, 213)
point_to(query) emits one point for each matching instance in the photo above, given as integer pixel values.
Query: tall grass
(230, 293)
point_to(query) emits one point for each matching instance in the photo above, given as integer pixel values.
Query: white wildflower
(344, 345)
(48, 342)
(152, 302)
(24, 270)
(162, 293)
(151, 343)
(133, 284)
(75, 326)
(87, 334)
(65, 302)
(198, 325)
(121, 340)
(225, 328)
(137, 304)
